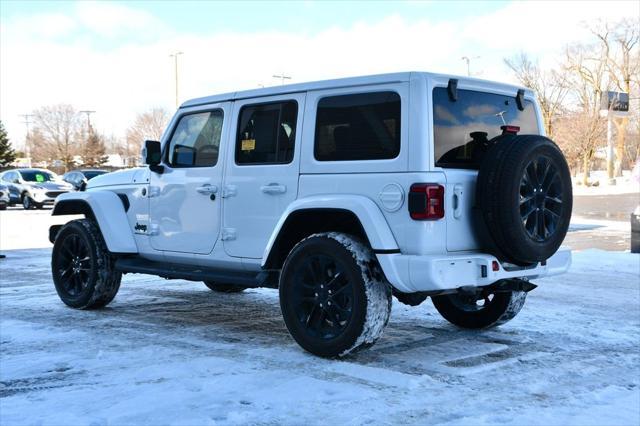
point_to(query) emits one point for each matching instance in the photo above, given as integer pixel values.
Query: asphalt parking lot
(173, 352)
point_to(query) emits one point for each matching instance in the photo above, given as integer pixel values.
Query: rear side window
(266, 133)
(463, 128)
(364, 126)
(196, 140)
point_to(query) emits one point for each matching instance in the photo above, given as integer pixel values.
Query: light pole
(27, 122)
(468, 59)
(282, 77)
(88, 113)
(175, 64)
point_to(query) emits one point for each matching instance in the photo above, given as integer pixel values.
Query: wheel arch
(107, 209)
(351, 214)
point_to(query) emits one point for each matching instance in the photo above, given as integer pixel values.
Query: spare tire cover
(523, 199)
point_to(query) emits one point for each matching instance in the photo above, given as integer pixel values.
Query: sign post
(614, 104)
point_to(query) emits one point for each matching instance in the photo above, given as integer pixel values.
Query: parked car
(79, 178)
(33, 188)
(412, 184)
(4, 196)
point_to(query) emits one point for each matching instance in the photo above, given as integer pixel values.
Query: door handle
(457, 201)
(207, 189)
(273, 188)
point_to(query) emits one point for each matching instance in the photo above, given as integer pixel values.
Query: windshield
(93, 173)
(37, 176)
(463, 128)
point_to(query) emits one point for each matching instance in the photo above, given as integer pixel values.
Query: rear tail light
(426, 201)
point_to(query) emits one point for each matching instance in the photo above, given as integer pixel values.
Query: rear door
(462, 133)
(261, 177)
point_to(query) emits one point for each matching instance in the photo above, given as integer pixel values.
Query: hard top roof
(332, 84)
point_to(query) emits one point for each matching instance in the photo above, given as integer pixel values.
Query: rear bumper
(409, 273)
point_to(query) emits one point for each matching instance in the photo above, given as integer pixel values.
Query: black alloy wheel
(74, 265)
(324, 304)
(541, 198)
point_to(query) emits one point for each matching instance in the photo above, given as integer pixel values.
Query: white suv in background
(340, 194)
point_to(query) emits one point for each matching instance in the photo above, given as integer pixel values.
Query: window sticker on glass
(39, 178)
(248, 144)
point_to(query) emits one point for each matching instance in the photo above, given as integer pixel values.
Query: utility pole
(468, 60)
(282, 77)
(88, 117)
(27, 122)
(175, 64)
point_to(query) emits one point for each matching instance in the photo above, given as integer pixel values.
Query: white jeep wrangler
(339, 193)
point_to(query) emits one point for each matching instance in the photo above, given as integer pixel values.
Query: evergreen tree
(94, 152)
(7, 154)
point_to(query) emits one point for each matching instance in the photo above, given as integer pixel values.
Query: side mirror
(152, 155)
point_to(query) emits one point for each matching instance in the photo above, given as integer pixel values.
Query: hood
(122, 177)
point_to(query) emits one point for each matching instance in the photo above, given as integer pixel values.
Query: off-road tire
(503, 307)
(99, 281)
(224, 288)
(361, 302)
(501, 205)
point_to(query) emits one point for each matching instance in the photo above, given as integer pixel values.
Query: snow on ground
(173, 352)
(626, 184)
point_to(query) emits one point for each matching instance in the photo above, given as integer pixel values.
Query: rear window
(364, 126)
(91, 174)
(463, 128)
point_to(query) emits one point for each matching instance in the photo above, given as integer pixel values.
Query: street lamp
(175, 62)
(468, 59)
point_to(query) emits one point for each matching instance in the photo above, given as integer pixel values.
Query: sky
(113, 57)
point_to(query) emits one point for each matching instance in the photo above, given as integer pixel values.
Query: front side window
(196, 140)
(266, 133)
(462, 129)
(363, 126)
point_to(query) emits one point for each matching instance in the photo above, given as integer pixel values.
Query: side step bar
(267, 278)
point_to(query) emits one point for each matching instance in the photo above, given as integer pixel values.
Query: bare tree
(587, 71)
(57, 127)
(620, 43)
(147, 125)
(550, 86)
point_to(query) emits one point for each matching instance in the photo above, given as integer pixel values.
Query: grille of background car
(54, 194)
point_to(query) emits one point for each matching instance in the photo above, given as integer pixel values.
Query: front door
(184, 200)
(262, 171)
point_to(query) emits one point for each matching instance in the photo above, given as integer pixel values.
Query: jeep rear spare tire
(524, 199)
